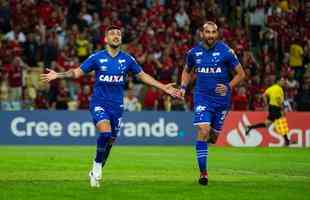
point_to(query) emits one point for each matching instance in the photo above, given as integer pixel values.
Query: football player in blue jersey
(210, 60)
(106, 106)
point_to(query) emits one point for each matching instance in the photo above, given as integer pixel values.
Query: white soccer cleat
(94, 180)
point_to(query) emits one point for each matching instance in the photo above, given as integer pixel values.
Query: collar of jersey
(201, 44)
(107, 53)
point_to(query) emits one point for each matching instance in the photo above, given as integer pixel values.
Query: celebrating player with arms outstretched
(106, 105)
(211, 60)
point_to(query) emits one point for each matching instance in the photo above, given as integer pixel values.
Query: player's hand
(221, 89)
(51, 75)
(172, 91)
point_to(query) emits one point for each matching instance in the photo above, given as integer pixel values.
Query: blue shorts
(107, 112)
(212, 115)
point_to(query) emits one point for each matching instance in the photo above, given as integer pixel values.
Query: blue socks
(102, 144)
(202, 155)
(106, 154)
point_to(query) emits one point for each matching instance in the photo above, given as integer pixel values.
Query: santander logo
(237, 137)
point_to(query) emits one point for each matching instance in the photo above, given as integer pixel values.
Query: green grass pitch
(154, 173)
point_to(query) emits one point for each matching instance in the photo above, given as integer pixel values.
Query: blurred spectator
(82, 47)
(269, 38)
(62, 98)
(50, 50)
(131, 103)
(258, 103)
(240, 100)
(28, 99)
(31, 48)
(150, 99)
(41, 102)
(167, 103)
(165, 69)
(83, 97)
(257, 21)
(4, 96)
(296, 60)
(15, 34)
(177, 105)
(302, 98)
(15, 78)
(182, 19)
(291, 89)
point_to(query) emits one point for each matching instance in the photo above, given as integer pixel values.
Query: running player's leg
(103, 125)
(281, 126)
(217, 124)
(214, 133)
(254, 126)
(202, 121)
(108, 150)
(115, 128)
(264, 124)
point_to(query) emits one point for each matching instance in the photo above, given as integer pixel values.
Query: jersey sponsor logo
(103, 60)
(198, 53)
(111, 78)
(237, 137)
(209, 70)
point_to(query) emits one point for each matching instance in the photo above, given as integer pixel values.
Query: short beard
(207, 43)
(114, 46)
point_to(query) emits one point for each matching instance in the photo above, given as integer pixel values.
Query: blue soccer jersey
(212, 67)
(110, 73)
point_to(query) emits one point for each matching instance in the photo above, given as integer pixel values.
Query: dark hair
(112, 27)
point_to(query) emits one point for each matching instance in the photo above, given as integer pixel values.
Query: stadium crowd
(270, 37)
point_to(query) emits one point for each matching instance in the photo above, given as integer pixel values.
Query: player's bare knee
(104, 126)
(203, 132)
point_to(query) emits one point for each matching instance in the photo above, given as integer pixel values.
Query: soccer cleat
(203, 180)
(287, 142)
(94, 180)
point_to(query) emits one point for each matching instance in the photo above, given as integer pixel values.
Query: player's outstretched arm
(52, 75)
(168, 88)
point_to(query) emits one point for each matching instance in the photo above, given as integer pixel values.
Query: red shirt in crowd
(150, 98)
(240, 102)
(15, 76)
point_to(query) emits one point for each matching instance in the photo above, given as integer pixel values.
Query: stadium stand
(270, 37)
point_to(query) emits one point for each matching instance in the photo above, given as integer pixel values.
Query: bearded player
(210, 60)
